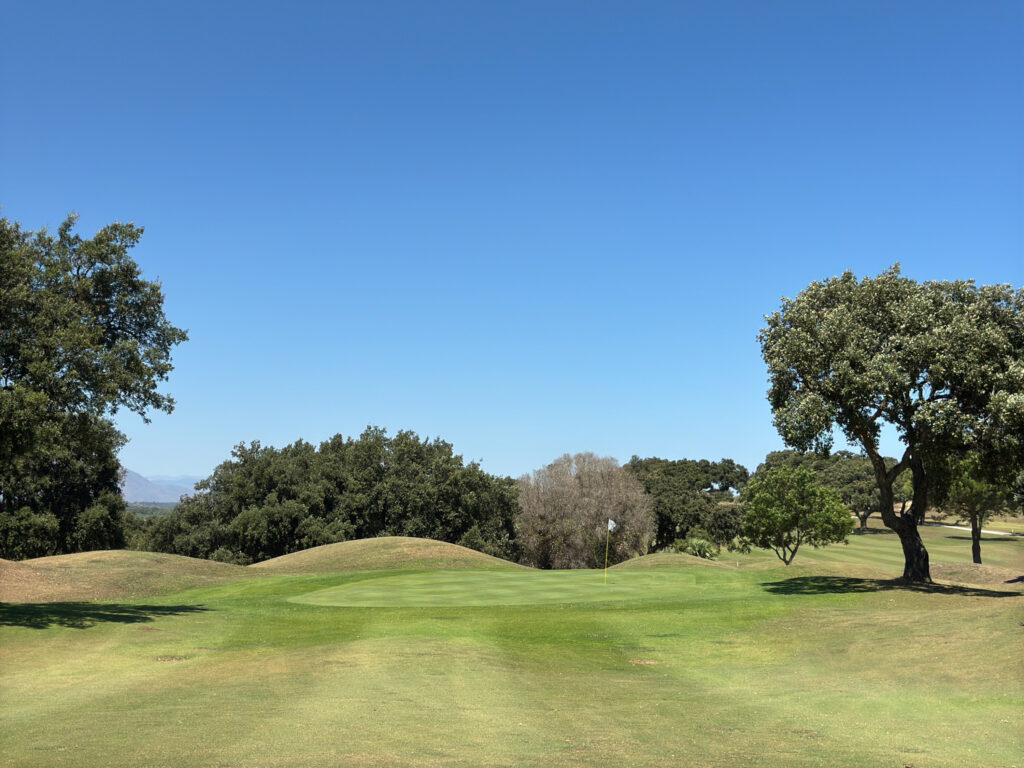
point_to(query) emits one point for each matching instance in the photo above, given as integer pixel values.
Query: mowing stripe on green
(470, 588)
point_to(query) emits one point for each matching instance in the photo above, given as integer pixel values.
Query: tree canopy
(851, 475)
(265, 502)
(688, 495)
(785, 507)
(564, 512)
(973, 496)
(941, 362)
(82, 334)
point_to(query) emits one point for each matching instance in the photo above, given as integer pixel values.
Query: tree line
(265, 502)
(83, 334)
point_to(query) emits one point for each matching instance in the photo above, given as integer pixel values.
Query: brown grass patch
(107, 575)
(975, 573)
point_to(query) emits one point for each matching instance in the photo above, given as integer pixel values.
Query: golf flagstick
(607, 541)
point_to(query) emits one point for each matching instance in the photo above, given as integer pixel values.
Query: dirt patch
(171, 658)
(643, 661)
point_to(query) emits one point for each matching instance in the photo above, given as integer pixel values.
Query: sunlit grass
(823, 663)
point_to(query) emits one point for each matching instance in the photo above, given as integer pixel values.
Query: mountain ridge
(137, 489)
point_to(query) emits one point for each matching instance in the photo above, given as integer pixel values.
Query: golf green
(478, 588)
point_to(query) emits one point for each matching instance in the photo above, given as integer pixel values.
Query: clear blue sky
(528, 228)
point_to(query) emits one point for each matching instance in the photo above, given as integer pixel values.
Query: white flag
(611, 525)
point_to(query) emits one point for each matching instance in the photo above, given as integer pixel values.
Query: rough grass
(108, 574)
(382, 553)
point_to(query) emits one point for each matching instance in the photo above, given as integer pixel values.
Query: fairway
(671, 662)
(474, 588)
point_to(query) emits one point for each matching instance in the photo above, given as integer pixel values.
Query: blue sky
(527, 228)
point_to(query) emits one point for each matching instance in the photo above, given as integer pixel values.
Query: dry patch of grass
(107, 575)
(974, 573)
(382, 553)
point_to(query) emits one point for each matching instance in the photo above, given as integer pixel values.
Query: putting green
(471, 588)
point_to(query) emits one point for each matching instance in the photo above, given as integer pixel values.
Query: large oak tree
(82, 334)
(941, 362)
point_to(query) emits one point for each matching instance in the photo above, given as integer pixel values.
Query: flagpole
(607, 539)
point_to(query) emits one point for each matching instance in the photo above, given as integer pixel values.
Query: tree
(82, 334)
(687, 494)
(1018, 491)
(564, 512)
(851, 475)
(265, 502)
(784, 507)
(972, 497)
(941, 362)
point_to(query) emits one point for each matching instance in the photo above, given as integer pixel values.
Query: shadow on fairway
(873, 532)
(984, 538)
(84, 615)
(832, 585)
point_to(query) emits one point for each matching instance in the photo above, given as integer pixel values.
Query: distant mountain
(186, 480)
(138, 489)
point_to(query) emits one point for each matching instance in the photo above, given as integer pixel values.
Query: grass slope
(382, 553)
(880, 548)
(107, 574)
(668, 560)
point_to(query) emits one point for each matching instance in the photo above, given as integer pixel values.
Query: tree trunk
(904, 523)
(915, 556)
(976, 538)
(863, 517)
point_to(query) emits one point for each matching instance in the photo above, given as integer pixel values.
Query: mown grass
(880, 548)
(820, 664)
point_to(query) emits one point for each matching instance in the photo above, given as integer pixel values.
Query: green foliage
(972, 497)
(82, 334)
(940, 362)
(25, 533)
(267, 502)
(852, 476)
(783, 508)
(564, 510)
(698, 543)
(687, 494)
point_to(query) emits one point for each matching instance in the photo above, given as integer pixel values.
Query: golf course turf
(670, 662)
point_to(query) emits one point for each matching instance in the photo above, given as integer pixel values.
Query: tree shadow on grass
(843, 585)
(84, 615)
(984, 538)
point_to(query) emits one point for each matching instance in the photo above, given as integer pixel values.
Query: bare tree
(564, 510)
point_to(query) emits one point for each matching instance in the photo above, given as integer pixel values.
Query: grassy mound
(669, 560)
(383, 553)
(106, 575)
